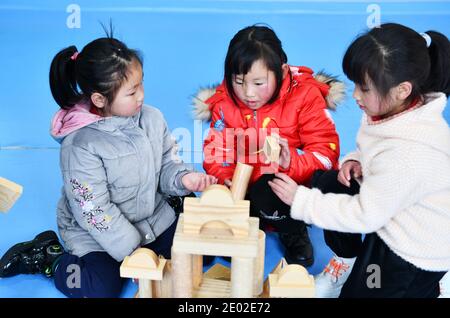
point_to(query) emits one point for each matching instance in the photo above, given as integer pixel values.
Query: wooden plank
(9, 193)
(217, 245)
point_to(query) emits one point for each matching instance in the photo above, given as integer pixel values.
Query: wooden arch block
(291, 281)
(216, 194)
(143, 264)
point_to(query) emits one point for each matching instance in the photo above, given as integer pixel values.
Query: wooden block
(217, 245)
(182, 285)
(219, 282)
(216, 212)
(241, 177)
(143, 264)
(271, 149)
(215, 283)
(216, 195)
(166, 284)
(163, 288)
(213, 288)
(9, 193)
(258, 278)
(291, 281)
(266, 292)
(275, 270)
(197, 270)
(242, 276)
(219, 272)
(145, 288)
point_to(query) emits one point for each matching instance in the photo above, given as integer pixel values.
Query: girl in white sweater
(395, 188)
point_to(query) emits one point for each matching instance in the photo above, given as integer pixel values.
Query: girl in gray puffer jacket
(118, 163)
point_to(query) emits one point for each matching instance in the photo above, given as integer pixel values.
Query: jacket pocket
(123, 178)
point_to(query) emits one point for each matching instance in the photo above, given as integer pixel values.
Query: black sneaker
(298, 246)
(35, 256)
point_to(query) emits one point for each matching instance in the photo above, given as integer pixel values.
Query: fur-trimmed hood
(336, 94)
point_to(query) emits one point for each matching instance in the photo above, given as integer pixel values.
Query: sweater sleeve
(355, 156)
(218, 148)
(389, 188)
(319, 139)
(85, 186)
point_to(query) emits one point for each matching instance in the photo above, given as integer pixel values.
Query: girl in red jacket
(262, 95)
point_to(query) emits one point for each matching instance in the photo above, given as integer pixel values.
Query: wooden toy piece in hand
(271, 149)
(9, 193)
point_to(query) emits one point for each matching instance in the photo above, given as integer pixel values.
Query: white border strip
(331, 1)
(227, 11)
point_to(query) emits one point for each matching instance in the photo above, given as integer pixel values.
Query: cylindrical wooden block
(241, 177)
(259, 264)
(166, 283)
(242, 270)
(197, 270)
(145, 288)
(157, 289)
(181, 275)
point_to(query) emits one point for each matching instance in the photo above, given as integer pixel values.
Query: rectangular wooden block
(197, 214)
(213, 288)
(272, 149)
(306, 291)
(9, 193)
(217, 245)
(142, 273)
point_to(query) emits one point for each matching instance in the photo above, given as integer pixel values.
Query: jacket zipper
(140, 177)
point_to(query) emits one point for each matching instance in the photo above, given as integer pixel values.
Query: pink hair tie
(74, 56)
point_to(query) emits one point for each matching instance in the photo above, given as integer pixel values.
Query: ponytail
(63, 83)
(439, 76)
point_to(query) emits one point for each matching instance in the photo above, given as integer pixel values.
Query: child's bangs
(243, 60)
(356, 63)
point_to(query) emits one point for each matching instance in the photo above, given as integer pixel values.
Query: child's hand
(348, 169)
(197, 181)
(227, 182)
(284, 187)
(285, 154)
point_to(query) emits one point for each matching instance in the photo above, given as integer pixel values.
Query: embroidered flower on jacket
(94, 216)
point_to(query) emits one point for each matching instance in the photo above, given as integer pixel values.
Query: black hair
(249, 45)
(101, 67)
(393, 53)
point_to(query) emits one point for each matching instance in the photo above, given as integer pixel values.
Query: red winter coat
(299, 114)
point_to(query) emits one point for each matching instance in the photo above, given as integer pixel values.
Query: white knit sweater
(405, 190)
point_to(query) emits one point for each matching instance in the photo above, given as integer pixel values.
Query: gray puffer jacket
(116, 172)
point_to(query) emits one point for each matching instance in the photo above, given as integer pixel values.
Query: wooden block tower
(218, 223)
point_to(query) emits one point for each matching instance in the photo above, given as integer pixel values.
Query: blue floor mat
(184, 44)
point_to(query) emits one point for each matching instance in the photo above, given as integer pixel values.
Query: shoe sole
(41, 239)
(306, 263)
